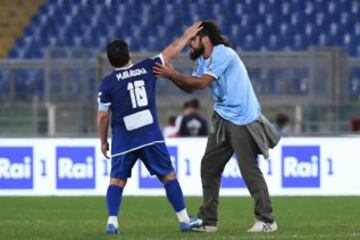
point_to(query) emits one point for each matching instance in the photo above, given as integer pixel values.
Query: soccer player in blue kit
(128, 95)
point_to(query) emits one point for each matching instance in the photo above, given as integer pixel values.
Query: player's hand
(166, 71)
(104, 149)
(193, 30)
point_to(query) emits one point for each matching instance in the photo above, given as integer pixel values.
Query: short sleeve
(158, 59)
(217, 64)
(104, 99)
(197, 69)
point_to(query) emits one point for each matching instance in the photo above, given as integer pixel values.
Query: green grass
(152, 218)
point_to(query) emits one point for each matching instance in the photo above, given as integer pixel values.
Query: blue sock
(113, 199)
(175, 195)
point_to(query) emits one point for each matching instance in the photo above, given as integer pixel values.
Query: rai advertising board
(75, 167)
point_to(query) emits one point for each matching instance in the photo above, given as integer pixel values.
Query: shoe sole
(208, 229)
(262, 231)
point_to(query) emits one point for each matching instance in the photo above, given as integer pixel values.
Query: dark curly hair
(212, 30)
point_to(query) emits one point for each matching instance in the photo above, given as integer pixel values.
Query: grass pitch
(152, 218)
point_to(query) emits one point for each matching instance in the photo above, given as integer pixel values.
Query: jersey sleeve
(217, 64)
(104, 99)
(197, 69)
(158, 59)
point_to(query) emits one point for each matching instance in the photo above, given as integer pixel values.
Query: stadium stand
(14, 16)
(250, 24)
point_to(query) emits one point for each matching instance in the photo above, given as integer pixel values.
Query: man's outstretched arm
(184, 82)
(175, 47)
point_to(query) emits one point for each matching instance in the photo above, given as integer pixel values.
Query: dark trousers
(238, 140)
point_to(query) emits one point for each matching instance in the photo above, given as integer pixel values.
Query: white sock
(183, 216)
(113, 220)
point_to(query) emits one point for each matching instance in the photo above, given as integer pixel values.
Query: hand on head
(193, 30)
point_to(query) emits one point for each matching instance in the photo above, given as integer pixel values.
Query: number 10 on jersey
(137, 94)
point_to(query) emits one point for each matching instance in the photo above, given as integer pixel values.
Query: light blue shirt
(231, 90)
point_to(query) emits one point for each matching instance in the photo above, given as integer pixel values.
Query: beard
(196, 53)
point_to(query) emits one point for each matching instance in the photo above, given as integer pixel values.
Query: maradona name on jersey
(130, 73)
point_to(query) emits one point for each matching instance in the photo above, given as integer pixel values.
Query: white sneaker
(261, 226)
(205, 228)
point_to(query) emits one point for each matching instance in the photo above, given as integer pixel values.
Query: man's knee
(171, 176)
(208, 171)
(117, 182)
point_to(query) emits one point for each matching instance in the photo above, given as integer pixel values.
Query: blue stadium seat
(312, 34)
(20, 43)
(250, 43)
(274, 43)
(355, 7)
(13, 53)
(53, 2)
(45, 9)
(299, 42)
(261, 31)
(29, 30)
(347, 19)
(135, 44)
(325, 41)
(35, 20)
(44, 41)
(33, 52)
(94, 42)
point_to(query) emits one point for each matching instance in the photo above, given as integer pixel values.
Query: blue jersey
(129, 93)
(232, 92)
